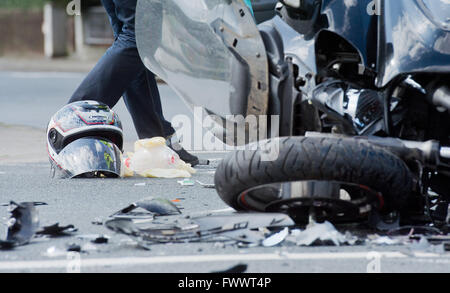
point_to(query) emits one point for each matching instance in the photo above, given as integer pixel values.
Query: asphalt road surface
(27, 100)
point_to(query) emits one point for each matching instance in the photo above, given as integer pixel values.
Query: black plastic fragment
(74, 248)
(6, 245)
(23, 223)
(155, 206)
(100, 240)
(224, 228)
(57, 231)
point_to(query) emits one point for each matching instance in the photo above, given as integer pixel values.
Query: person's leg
(167, 126)
(172, 140)
(142, 101)
(114, 74)
(110, 77)
(144, 104)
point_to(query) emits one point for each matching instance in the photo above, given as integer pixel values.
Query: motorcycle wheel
(344, 160)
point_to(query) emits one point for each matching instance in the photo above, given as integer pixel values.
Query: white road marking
(133, 261)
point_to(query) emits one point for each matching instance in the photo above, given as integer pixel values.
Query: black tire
(312, 158)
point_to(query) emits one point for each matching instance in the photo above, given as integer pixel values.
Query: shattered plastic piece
(252, 220)
(206, 185)
(95, 238)
(246, 237)
(139, 184)
(276, 238)
(153, 158)
(56, 230)
(159, 206)
(231, 229)
(142, 216)
(424, 246)
(156, 206)
(186, 182)
(100, 240)
(124, 226)
(6, 245)
(385, 240)
(74, 247)
(320, 234)
(23, 223)
(237, 269)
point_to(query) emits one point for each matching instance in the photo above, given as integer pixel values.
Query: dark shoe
(184, 155)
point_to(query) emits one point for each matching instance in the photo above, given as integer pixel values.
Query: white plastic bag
(153, 158)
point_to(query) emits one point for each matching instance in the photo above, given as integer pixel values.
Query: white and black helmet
(84, 140)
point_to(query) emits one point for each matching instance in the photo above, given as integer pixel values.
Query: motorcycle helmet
(85, 140)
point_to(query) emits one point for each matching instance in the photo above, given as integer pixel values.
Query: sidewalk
(43, 64)
(23, 145)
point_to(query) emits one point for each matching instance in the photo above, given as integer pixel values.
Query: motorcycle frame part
(358, 111)
(337, 210)
(282, 94)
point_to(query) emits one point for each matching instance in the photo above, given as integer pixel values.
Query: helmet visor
(88, 157)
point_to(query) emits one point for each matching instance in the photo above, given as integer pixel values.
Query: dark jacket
(122, 14)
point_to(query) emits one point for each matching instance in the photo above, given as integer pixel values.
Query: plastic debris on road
(186, 182)
(22, 224)
(276, 238)
(423, 245)
(95, 238)
(57, 231)
(151, 206)
(205, 185)
(229, 229)
(383, 240)
(321, 234)
(154, 159)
